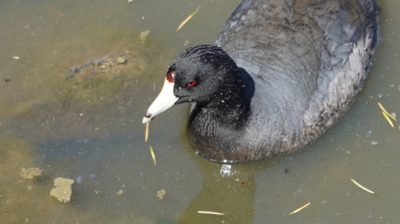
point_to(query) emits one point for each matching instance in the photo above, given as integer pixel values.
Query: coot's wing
(308, 59)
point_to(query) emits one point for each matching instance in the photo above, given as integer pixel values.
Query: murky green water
(87, 125)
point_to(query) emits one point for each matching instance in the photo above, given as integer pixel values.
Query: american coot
(282, 72)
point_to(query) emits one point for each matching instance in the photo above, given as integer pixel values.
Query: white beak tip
(165, 100)
(146, 119)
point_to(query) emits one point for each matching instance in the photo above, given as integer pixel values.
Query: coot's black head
(199, 74)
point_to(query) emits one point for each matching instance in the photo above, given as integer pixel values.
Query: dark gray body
(308, 59)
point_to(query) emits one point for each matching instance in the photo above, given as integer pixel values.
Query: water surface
(87, 125)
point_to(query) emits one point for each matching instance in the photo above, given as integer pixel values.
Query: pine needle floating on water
(386, 112)
(146, 132)
(210, 213)
(361, 186)
(387, 118)
(153, 155)
(186, 20)
(300, 209)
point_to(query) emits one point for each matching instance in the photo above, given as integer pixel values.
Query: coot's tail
(371, 10)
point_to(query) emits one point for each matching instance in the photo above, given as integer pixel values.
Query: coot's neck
(229, 107)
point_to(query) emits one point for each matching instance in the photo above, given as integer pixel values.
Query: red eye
(191, 84)
(170, 77)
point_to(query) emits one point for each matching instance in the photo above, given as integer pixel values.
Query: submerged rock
(108, 66)
(62, 189)
(96, 88)
(30, 173)
(144, 35)
(7, 79)
(121, 60)
(19, 199)
(161, 194)
(120, 192)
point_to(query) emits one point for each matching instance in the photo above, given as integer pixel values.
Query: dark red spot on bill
(170, 77)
